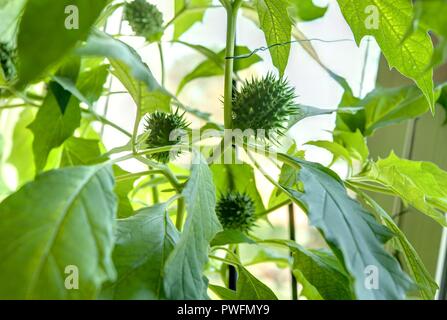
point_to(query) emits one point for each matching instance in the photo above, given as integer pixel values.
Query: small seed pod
(263, 104)
(145, 19)
(165, 129)
(236, 211)
(8, 58)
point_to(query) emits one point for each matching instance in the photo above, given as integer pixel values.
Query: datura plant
(92, 210)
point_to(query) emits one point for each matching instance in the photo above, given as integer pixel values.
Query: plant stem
(292, 237)
(180, 213)
(106, 121)
(162, 63)
(232, 11)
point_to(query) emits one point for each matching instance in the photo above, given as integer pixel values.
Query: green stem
(162, 63)
(232, 11)
(370, 187)
(136, 123)
(137, 175)
(276, 207)
(180, 213)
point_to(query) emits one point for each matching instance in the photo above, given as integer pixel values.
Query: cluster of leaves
(72, 205)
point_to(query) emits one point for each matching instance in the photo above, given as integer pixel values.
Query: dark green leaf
(58, 117)
(44, 38)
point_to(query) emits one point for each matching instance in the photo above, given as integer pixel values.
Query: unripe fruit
(236, 211)
(145, 19)
(8, 58)
(164, 129)
(264, 104)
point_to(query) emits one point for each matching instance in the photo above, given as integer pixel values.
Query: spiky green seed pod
(236, 211)
(145, 19)
(165, 129)
(263, 104)
(8, 59)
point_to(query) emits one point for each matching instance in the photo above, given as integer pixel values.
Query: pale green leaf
(143, 243)
(184, 277)
(10, 11)
(388, 22)
(188, 13)
(63, 219)
(275, 22)
(421, 184)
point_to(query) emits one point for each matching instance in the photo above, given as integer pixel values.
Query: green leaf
(188, 13)
(143, 242)
(354, 142)
(223, 293)
(184, 277)
(248, 287)
(51, 127)
(64, 218)
(237, 177)
(211, 68)
(130, 69)
(230, 237)
(275, 23)
(384, 107)
(91, 83)
(10, 11)
(79, 151)
(266, 255)
(122, 190)
(410, 55)
(303, 112)
(57, 118)
(421, 184)
(321, 274)
(306, 10)
(333, 147)
(428, 15)
(44, 39)
(148, 101)
(21, 155)
(353, 234)
(427, 286)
